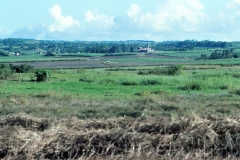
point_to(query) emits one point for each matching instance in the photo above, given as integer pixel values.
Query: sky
(117, 20)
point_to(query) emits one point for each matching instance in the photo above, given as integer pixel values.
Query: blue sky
(92, 20)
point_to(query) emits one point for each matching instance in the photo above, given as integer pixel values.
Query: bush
(143, 72)
(5, 73)
(50, 53)
(149, 82)
(23, 68)
(234, 90)
(128, 112)
(129, 83)
(192, 86)
(169, 108)
(84, 79)
(4, 53)
(159, 92)
(142, 93)
(172, 70)
(42, 75)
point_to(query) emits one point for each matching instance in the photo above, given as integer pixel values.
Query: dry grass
(26, 137)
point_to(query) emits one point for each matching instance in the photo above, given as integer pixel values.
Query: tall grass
(123, 83)
(215, 81)
(145, 95)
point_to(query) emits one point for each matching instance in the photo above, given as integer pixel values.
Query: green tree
(115, 49)
(42, 75)
(5, 72)
(3, 53)
(23, 68)
(50, 53)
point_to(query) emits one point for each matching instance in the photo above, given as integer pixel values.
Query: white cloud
(173, 15)
(233, 4)
(61, 22)
(134, 11)
(100, 19)
(172, 19)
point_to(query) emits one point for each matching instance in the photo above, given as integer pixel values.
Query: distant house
(17, 54)
(146, 50)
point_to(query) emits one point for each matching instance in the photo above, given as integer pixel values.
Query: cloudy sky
(92, 20)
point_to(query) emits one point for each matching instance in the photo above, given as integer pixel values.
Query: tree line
(26, 46)
(220, 54)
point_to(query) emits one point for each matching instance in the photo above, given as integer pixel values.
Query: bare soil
(100, 62)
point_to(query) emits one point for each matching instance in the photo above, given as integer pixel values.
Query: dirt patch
(119, 138)
(100, 62)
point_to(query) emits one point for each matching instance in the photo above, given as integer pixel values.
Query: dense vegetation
(27, 46)
(220, 54)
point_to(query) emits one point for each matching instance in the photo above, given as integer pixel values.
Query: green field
(185, 54)
(126, 85)
(38, 57)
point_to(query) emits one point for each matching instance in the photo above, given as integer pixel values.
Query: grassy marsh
(192, 91)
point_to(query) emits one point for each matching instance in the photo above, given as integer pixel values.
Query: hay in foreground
(27, 137)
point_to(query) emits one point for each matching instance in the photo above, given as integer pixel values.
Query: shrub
(142, 93)
(149, 82)
(143, 72)
(42, 75)
(128, 112)
(159, 92)
(84, 79)
(172, 70)
(85, 113)
(5, 73)
(23, 68)
(129, 83)
(169, 108)
(50, 53)
(223, 87)
(194, 85)
(4, 53)
(234, 90)
(224, 110)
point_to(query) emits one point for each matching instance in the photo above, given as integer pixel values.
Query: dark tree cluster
(220, 54)
(190, 45)
(111, 48)
(23, 68)
(4, 53)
